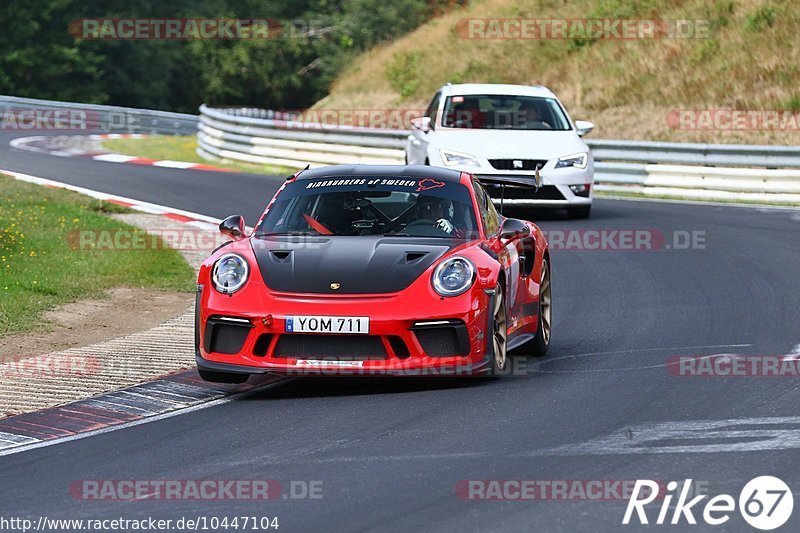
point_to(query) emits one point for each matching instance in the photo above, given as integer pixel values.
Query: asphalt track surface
(389, 453)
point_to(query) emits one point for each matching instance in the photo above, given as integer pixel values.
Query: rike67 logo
(765, 503)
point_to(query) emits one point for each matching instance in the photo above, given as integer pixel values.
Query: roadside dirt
(86, 322)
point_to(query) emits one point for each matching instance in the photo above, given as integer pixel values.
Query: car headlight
(230, 273)
(453, 276)
(574, 160)
(458, 158)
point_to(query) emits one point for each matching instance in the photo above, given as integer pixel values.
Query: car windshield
(391, 206)
(504, 112)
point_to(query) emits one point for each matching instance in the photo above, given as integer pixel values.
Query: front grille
(545, 192)
(443, 340)
(341, 347)
(523, 164)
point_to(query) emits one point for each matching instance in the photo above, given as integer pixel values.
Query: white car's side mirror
(583, 127)
(422, 124)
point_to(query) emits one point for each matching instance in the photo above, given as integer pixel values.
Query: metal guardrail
(726, 155)
(710, 171)
(37, 116)
(261, 136)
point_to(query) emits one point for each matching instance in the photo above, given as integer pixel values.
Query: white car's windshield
(503, 112)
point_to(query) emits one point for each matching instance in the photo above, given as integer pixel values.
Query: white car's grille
(518, 164)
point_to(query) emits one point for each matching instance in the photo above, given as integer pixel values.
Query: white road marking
(649, 438)
(138, 205)
(11, 439)
(665, 349)
(623, 368)
(114, 158)
(167, 163)
(23, 143)
(769, 433)
(539, 366)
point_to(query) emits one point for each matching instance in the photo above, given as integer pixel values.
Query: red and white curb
(147, 402)
(91, 146)
(193, 219)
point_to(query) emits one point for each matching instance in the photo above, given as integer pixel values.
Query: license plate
(328, 324)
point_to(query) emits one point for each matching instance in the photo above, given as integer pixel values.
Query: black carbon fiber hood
(360, 265)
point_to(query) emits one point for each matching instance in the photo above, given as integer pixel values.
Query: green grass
(40, 269)
(183, 148)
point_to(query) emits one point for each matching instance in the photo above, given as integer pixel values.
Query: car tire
(541, 342)
(222, 377)
(582, 211)
(499, 363)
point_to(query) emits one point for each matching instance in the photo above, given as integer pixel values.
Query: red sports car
(385, 270)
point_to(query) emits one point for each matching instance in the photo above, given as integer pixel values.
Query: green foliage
(722, 13)
(403, 73)
(705, 50)
(40, 58)
(793, 103)
(760, 19)
(474, 72)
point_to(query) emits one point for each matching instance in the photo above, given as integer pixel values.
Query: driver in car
(438, 210)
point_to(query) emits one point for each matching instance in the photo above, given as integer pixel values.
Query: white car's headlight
(453, 276)
(574, 160)
(230, 273)
(449, 157)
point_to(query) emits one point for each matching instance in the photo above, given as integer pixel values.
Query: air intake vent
(443, 339)
(413, 257)
(226, 335)
(281, 256)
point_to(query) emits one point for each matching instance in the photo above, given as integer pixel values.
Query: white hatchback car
(506, 133)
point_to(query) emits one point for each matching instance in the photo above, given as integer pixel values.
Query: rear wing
(534, 181)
